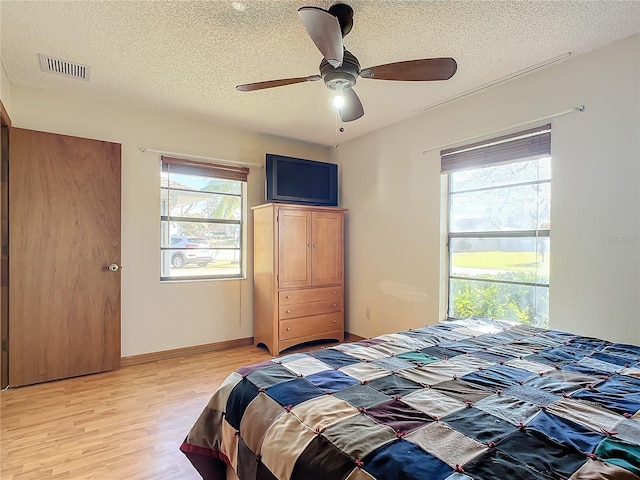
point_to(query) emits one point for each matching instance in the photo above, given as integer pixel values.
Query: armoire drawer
(305, 295)
(302, 327)
(306, 309)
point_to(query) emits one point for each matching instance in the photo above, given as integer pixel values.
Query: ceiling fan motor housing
(344, 14)
(344, 76)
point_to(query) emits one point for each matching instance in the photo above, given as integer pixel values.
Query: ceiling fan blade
(413, 70)
(324, 30)
(352, 108)
(249, 87)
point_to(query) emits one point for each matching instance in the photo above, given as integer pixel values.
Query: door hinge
(5, 345)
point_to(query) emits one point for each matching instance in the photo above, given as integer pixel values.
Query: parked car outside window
(193, 250)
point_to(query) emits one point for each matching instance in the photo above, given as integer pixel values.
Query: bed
(462, 400)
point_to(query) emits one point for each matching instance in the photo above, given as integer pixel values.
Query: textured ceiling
(184, 58)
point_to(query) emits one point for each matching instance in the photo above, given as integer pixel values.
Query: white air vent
(63, 67)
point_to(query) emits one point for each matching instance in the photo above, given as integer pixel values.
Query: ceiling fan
(340, 68)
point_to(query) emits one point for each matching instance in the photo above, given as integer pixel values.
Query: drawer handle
(288, 296)
(288, 311)
(288, 329)
(335, 304)
(335, 321)
(334, 292)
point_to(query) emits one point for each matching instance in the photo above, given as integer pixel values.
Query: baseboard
(352, 337)
(183, 352)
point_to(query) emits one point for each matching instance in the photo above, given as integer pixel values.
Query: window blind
(189, 167)
(524, 145)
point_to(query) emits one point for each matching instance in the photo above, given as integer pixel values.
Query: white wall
(393, 190)
(156, 316)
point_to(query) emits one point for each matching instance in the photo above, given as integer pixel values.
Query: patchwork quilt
(463, 400)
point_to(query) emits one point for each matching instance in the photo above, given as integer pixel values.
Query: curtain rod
(579, 108)
(525, 71)
(188, 156)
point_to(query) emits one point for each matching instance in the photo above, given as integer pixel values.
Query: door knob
(114, 267)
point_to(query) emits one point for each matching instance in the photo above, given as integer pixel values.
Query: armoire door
(294, 248)
(327, 252)
(64, 233)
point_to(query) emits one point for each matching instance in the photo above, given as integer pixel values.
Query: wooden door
(294, 248)
(5, 124)
(64, 232)
(327, 251)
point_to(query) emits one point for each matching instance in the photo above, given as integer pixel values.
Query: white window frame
(241, 223)
(447, 258)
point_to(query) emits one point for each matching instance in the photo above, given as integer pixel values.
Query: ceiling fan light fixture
(338, 101)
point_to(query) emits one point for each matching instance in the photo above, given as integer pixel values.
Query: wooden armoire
(298, 274)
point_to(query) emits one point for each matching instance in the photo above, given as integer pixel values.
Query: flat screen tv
(296, 180)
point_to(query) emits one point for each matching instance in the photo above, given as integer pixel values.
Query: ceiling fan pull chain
(337, 113)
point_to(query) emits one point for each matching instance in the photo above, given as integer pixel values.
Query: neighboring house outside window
(499, 227)
(202, 215)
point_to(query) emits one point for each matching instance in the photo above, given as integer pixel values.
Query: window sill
(164, 280)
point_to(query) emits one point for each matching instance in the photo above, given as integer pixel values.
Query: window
(499, 227)
(202, 212)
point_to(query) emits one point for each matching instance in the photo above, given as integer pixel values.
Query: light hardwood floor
(121, 425)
